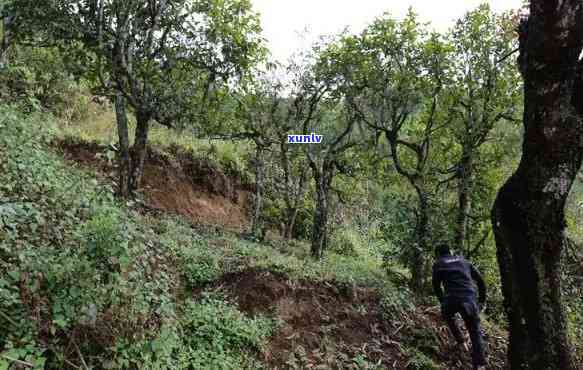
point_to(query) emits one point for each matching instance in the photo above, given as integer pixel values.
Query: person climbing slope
(457, 277)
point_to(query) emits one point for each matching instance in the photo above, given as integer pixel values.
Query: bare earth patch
(181, 185)
(326, 324)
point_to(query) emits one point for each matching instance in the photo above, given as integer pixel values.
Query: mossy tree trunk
(528, 215)
(293, 207)
(290, 224)
(140, 149)
(131, 161)
(124, 159)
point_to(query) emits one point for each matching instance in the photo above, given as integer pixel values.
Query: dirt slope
(178, 184)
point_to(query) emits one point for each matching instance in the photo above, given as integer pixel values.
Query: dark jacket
(457, 276)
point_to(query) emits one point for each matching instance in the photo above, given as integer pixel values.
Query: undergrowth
(87, 281)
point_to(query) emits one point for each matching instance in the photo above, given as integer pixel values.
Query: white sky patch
(284, 21)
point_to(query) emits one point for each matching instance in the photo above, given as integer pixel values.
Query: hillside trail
(323, 325)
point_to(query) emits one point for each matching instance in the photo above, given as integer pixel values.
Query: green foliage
(200, 263)
(425, 340)
(201, 266)
(419, 361)
(29, 355)
(331, 357)
(68, 252)
(396, 301)
(116, 282)
(106, 239)
(94, 271)
(76, 263)
(347, 242)
(212, 324)
(176, 91)
(39, 79)
(230, 157)
(210, 334)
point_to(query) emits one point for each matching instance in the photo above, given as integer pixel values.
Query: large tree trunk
(322, 179)
(528, 215)
(294, 200)
(464, 200)
(290, 223)
(140, 149)
(528, 227)
(256, 222)
(124, 159)
(320, 226)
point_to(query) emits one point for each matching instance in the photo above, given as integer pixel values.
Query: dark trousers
(468, 309)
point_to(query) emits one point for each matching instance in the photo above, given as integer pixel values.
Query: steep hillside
(89, 282)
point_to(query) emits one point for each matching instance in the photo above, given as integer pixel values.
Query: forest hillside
(171, 197)
(95, 282)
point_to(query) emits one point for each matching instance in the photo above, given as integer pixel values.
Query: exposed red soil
(180, 185)
(325, 325)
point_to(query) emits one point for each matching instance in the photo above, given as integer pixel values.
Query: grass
(98, 125)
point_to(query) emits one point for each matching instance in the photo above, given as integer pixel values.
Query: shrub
(74, 263)
(419, 361)
(106, 239)
(220, 337)
(197, 262)
(40, 79)
(209, 334)
(200, 267)
(396, 302)
(347, 242)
